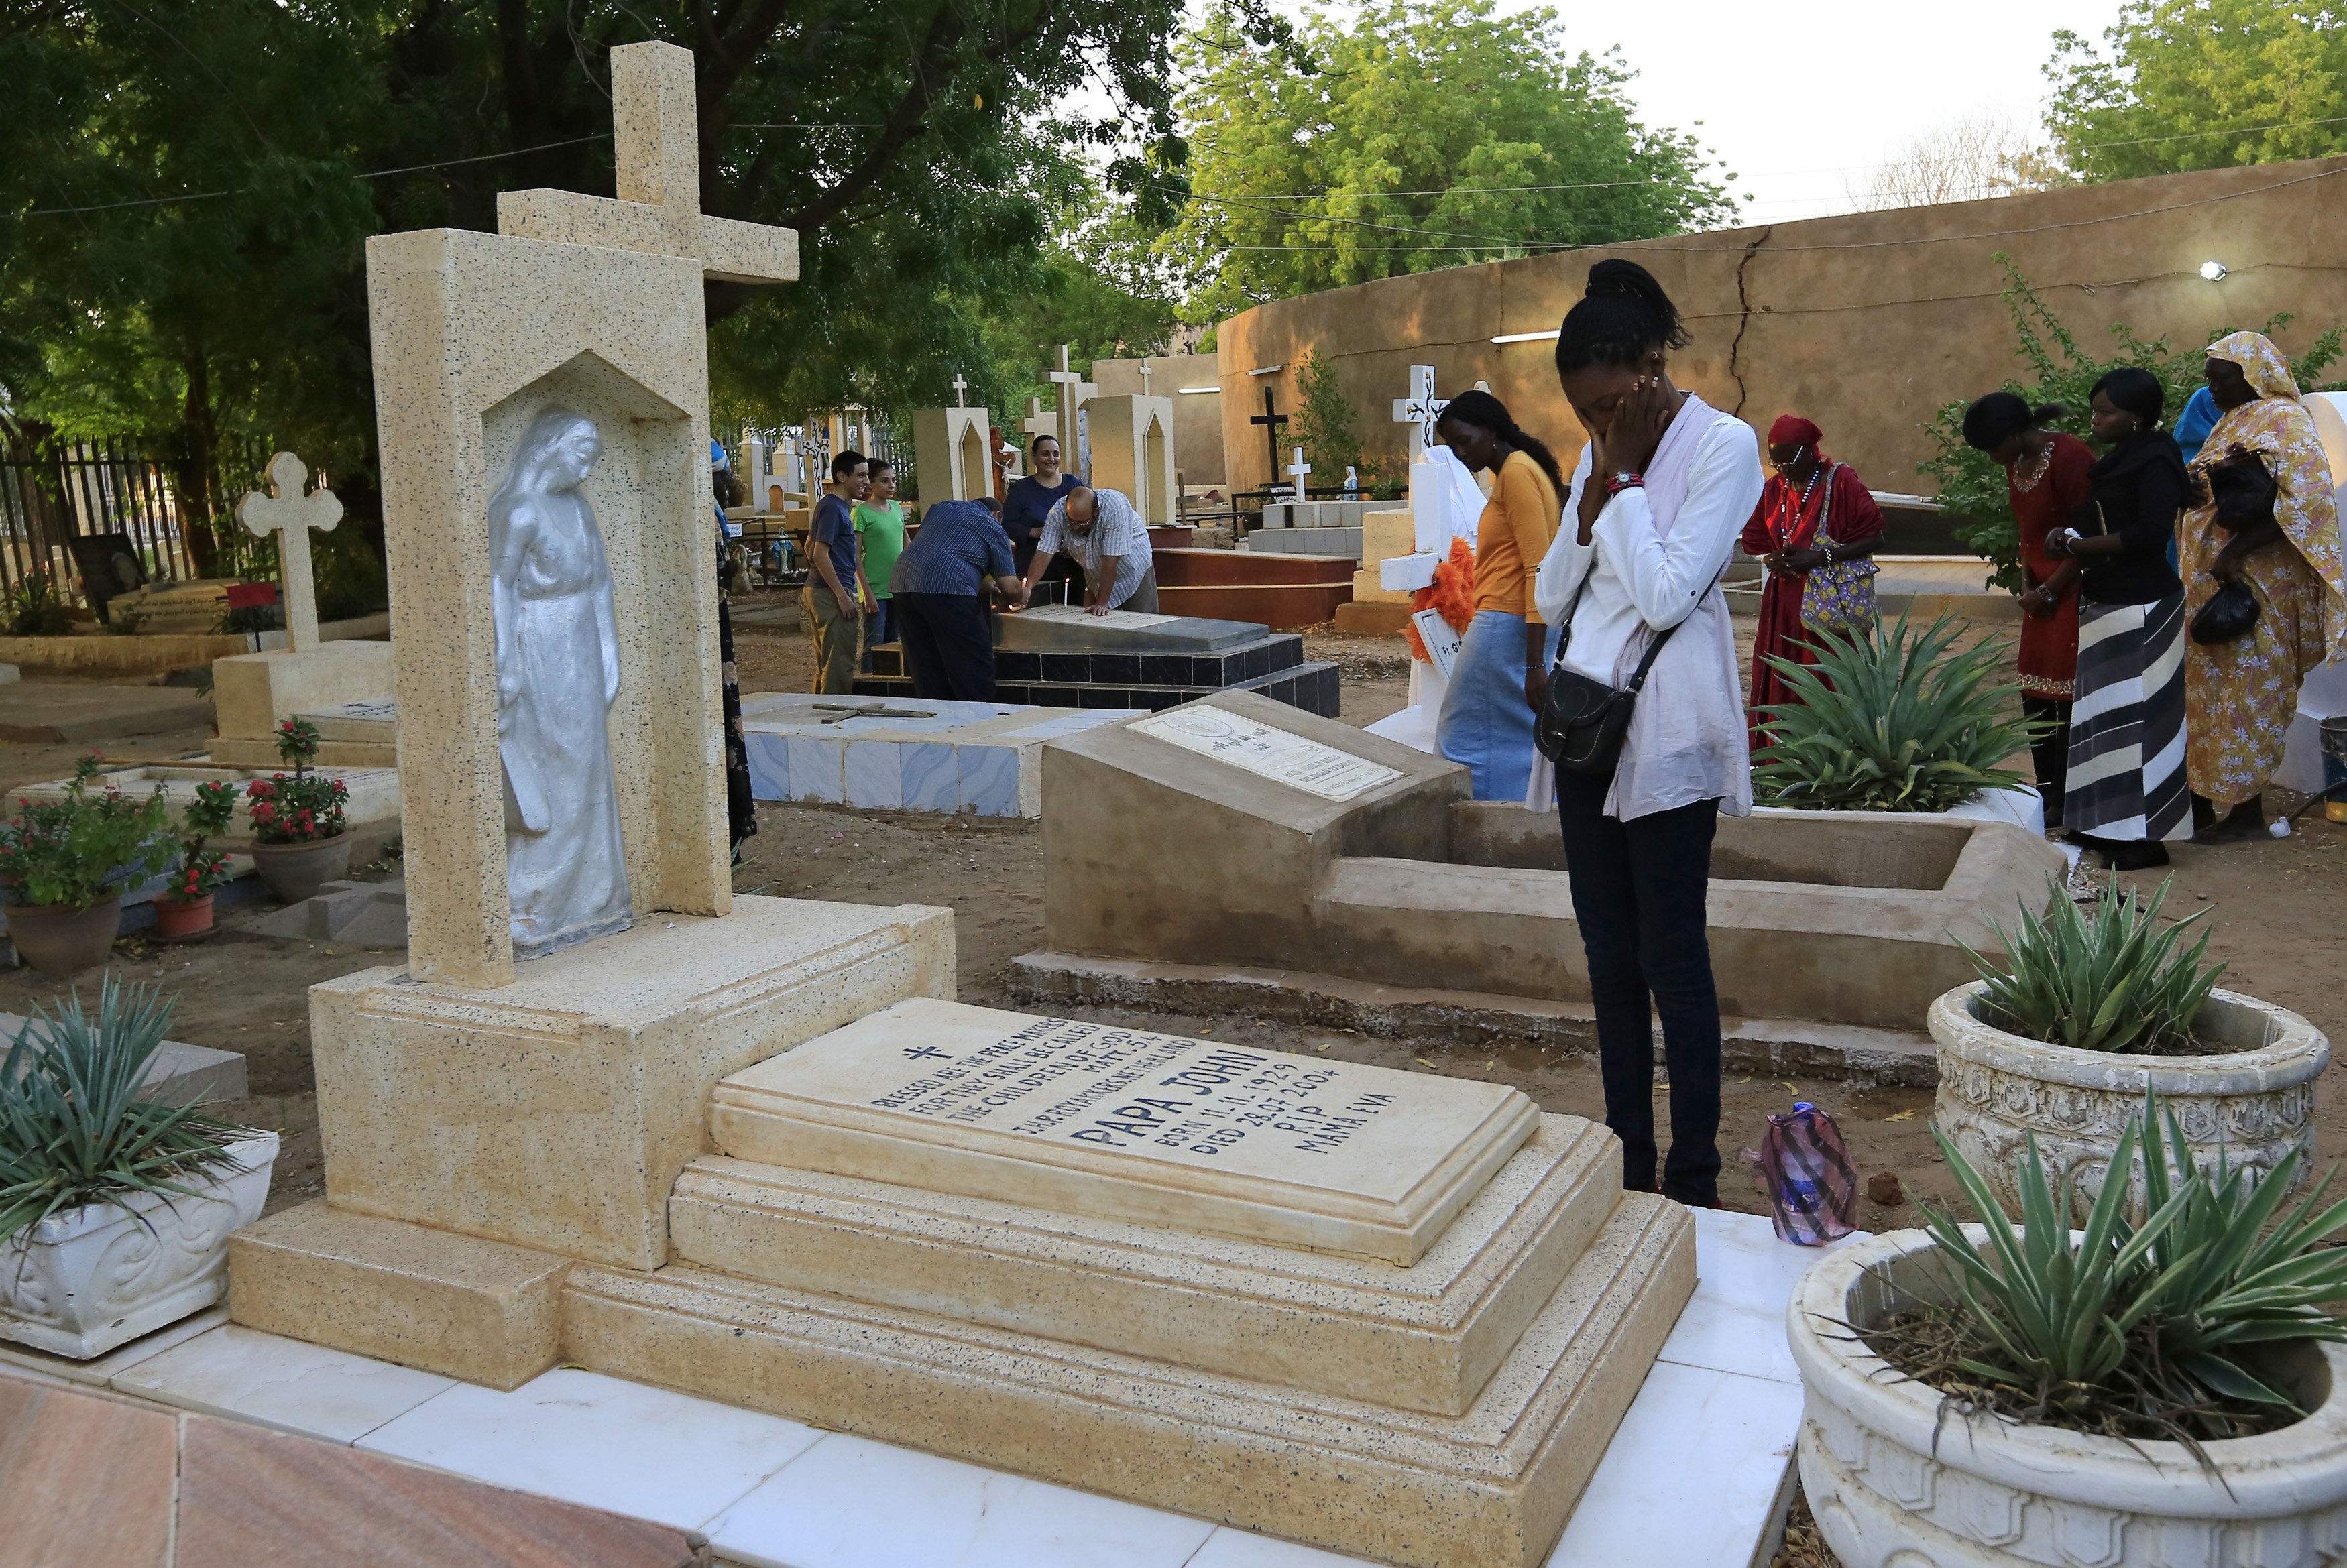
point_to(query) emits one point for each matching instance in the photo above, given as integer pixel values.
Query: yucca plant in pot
(299, 836)
(2164, 1391)
(64, 864)
(2061, 1038)
(114, 1209)
(1889, 719)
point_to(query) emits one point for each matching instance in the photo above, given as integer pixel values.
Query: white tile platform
(1722, 1405)
(980, 758)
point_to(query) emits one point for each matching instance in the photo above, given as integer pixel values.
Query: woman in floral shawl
(2240, 696)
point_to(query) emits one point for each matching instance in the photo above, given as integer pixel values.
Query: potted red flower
(299, 840)
(64, 864)
(184, 909)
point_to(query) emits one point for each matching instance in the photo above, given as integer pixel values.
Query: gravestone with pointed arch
(951, 449)
(1132, 452)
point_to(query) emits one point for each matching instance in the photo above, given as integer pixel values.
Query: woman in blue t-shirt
(1031, 499)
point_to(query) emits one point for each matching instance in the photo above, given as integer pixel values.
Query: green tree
(2063, 371)
(1432, 133)
(2199, 84)
(1324, 422)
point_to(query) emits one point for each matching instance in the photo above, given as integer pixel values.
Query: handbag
(1838, 596)
(2242, 490)
(2229, 613)
(1582, 721)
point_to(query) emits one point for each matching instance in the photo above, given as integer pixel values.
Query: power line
(373, 174)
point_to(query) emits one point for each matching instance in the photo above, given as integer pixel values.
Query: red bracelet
(1620, 482)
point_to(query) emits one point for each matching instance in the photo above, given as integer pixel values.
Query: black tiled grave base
(1310, 686)
(1159, 671)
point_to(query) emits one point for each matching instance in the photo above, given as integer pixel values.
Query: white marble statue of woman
(557, 675)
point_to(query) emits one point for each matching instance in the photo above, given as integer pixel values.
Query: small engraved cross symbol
(923, 1053)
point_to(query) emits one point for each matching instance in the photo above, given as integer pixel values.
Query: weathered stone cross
(959, 386)
(290, 514)
(1145, 376)
(656, 156)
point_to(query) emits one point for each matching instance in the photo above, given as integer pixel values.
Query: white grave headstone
(1269, 751)
(1299, 471)
(290, 514)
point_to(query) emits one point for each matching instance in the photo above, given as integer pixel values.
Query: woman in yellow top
(1501, 674)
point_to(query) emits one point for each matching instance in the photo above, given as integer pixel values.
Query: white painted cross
(1420, 408)
(290, 514)
(959, 386)
(1073, 392)
(1145, 376)
(1298, 470)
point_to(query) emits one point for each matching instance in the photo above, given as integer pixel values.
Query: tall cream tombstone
(951, 446)
(487, 1123)
(1132, 451)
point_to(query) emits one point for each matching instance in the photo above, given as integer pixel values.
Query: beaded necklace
(1789, 511)
(2045, 460)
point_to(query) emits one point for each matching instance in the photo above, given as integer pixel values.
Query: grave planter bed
(1895, 1479)
(2254, 1098)
(82, 1282)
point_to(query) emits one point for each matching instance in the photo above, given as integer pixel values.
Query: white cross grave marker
(1145, 376)
(1036, 421)
(1420, 408)
(959, 386)
(1298, 470)
(290, 514)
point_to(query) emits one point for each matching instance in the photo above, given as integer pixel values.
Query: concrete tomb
(921, 755)
(1356, 876)
(750, 1148)
(1058, 655)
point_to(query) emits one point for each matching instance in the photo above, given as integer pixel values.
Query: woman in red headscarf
(1813, 511)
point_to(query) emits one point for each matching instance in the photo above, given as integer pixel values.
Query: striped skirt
(2126, 724)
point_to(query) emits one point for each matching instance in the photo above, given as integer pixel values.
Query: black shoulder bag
(1582, 723)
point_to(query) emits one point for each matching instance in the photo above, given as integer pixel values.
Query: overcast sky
(1805, 109)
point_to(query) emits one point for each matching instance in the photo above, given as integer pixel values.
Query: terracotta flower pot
(59, 941)
(187, 917)
(294, 871)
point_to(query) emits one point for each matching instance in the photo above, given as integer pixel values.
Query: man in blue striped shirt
(1102, 532)
(940, 619)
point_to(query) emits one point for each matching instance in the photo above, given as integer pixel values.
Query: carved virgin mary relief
(558, 676)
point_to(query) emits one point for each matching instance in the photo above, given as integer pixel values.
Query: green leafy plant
(203, 870)
(2137, 1330)
(35, 609)
(1888, 721)
(126, 623)
(74, 1129)
(302, 809)
(74, 851)
(2118, 980)
(1972, 489)
(1325, 426)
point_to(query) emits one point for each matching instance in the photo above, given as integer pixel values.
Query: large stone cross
(1420, 408)
(290, 514)
(656, 158)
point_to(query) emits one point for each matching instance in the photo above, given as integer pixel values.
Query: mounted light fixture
(1267, 370)
(1527, 337)
(2214, 271)
(1196, 392)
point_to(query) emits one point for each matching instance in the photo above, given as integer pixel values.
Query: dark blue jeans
(949, 646)
(1638, 892)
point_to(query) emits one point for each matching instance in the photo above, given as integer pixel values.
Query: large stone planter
(58, 941)
(2255, 1103)
(82, 1282)
(296, 870)
(1896, 1481)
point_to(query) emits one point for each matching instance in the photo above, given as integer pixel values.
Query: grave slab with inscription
(1084, 1118)
(1066, 628)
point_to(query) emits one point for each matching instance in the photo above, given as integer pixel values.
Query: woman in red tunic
(2047, 479)
(1807, 489)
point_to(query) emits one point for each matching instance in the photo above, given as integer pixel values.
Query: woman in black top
(1029, 501)
(2126, 793)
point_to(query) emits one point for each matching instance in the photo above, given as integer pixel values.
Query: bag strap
(1825, 508)
(1638, 680)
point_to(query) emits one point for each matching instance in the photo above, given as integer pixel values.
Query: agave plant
(1890, 720)
(2117, 982)
(2140, 1331)
(74, 1129)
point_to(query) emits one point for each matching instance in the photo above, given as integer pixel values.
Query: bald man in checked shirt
(1100, 531)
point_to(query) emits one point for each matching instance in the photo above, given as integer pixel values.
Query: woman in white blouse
(1660, 495)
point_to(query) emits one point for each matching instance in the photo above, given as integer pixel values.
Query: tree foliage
(2063, 371)
(2200, 83)
(1325, 424)
(1429, 133)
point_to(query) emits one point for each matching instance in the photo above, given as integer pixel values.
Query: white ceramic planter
(82, 1282)
(1894, 1482)
(2255, 1103)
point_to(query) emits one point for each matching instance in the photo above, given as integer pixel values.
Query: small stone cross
(1298, 470)
(290, 514)
(1420, 408)
(1036, 421)
(959, 386)
(1145, 376)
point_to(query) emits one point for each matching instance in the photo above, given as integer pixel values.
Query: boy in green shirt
(879, 540)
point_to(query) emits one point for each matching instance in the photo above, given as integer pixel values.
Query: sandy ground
(2278, 908)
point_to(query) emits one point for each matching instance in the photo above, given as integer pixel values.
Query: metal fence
(55, 491)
